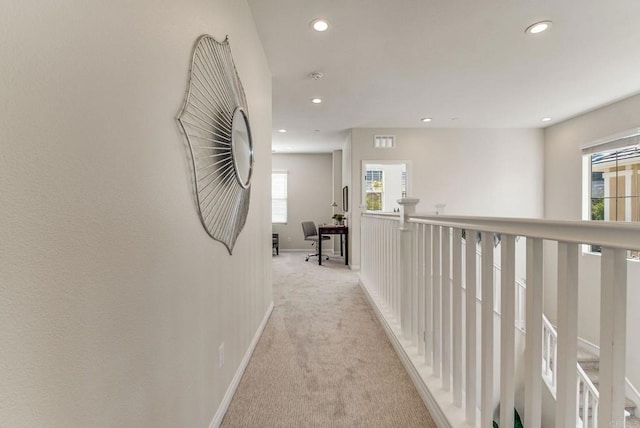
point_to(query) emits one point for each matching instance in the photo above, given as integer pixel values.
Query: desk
(343, 231)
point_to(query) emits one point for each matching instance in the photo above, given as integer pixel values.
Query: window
(383, 183)
(614, 180)
(403, 186)
(373, 190)
(614, 185)
(279, 197)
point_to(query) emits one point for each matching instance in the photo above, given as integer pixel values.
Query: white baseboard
(226, 400)
(434, 398)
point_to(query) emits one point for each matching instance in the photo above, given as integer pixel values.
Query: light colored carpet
(323, 359)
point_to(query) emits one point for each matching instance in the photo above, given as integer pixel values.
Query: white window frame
(286, 197)
(618, 140)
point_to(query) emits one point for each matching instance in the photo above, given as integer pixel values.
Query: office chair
(311, 234)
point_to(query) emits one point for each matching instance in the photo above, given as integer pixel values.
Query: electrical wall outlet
(221, 355)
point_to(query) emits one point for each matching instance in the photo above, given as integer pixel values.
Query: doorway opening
(383, 183)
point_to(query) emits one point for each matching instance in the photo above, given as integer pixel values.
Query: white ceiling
(387, 63)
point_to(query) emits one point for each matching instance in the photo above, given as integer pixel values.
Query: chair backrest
(309, 229)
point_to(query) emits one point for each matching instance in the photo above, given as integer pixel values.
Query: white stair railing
(587, 396)
(587, 399)
(407, 261)
(549, 354)
(586, 392)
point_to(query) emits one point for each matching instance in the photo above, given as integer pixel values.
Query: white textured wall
(336, 157)
(563, 200)
(310, 194)
(481, 172)
(113, 299)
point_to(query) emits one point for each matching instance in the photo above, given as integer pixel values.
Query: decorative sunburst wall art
(215, 121)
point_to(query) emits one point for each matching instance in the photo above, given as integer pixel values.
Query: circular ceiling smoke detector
(316, 75)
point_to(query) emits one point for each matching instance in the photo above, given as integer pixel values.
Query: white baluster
(395, 284)
(456, 317)
(577, 389)
(507, 329)
(446, 308)
(436, 303)
(421, 285)
(382, 251)
(393, 280)
(613, 323)
(428, 306)
(547, 353)
(567, 346)
(415, 329)
(533, 347)
(554, 361)
(470, 329)
(594, 412)
(586, 394)
(486, 401)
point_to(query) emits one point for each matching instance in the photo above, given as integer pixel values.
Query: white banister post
(407, 207)
(613, 323)
(567, 334)
(486, 399)
(533, 347)
(507, 328)
(470, 328)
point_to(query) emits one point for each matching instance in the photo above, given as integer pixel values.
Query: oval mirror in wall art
(215, 122)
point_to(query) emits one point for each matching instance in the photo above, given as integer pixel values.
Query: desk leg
(320, 249)
(341, 245)
(346, 249)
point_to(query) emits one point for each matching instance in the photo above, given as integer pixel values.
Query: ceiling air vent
(384, 141)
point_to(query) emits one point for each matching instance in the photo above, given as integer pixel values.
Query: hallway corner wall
(563, 201)
(479, 172)
(114, 301)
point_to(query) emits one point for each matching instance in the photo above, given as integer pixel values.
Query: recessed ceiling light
(316, 100)
(538, 27)
(426, 119)
(289, 148)
(319, 24)
(282, 130)
(546, 119)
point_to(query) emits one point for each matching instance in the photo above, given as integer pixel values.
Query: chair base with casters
(316, 254)
(311, 234)
(275, 243)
